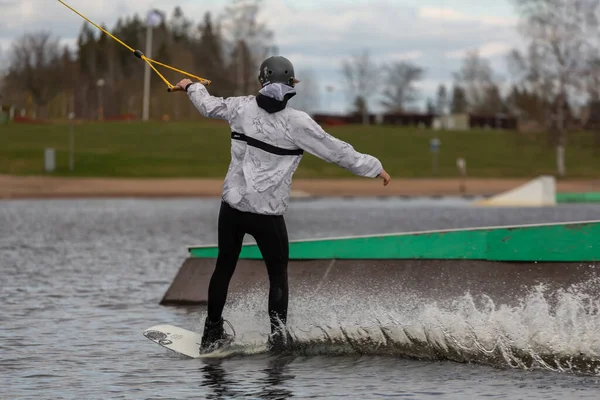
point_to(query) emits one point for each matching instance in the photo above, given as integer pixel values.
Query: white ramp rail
(539, 192)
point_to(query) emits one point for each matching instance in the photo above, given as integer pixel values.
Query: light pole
(71, 143)
(462, 168)
(100, 85)
(153, 19)
(434, 146)
(330, 89)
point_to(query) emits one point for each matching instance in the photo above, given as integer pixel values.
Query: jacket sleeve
(305, 133)
(210, 106)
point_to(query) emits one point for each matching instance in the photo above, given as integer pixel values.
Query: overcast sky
(317, 34)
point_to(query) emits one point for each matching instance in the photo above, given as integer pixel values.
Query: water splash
(550, 330)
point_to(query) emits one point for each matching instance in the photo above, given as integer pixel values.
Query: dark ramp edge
(505, 282)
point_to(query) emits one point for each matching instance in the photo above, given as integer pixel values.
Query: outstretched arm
(209, 106)
(308, 135)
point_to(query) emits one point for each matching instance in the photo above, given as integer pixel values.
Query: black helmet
(277, 69)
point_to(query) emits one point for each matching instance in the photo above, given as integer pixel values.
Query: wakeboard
(187, 343)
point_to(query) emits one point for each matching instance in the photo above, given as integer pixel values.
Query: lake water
(82, 279)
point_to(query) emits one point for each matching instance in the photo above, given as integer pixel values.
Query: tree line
(474, 89)
(560, 66)
(101, 76)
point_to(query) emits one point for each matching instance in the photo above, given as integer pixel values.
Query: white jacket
(266, 149)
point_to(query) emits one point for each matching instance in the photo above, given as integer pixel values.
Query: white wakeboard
(187, 343)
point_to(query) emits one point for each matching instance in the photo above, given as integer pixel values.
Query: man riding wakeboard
(268, 139)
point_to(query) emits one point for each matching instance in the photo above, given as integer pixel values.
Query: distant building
(425, 120)
(495, 121)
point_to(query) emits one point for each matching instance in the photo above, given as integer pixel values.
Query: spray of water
(551, 330)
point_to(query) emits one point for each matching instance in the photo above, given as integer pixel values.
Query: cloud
(487, 50)
(405, 56)
(452, 15)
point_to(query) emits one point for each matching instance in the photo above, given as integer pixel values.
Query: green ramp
(557, 242)
(585, 197)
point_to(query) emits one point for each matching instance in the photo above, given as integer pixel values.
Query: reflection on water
(269, 382)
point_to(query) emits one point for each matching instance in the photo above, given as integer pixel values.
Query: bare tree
(400, 91)
(562, 34)
(246, 40)
(593, 80)
(531, 79)
(35, 67)
(591, 119)
(3, 71)
(308, 93)
(3, 60)
(180, 26)
(360, 76)
(476, 77)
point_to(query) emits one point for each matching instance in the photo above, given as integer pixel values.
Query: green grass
(201, 149)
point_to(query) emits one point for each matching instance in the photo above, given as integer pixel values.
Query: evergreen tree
(492, 101)
(202, 51)
(431, 109)
(442, 100)
(459, 100)
(212, 67)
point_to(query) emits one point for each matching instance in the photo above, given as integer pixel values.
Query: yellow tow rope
(141, 55)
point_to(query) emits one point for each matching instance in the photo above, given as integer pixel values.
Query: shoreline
(44, 187)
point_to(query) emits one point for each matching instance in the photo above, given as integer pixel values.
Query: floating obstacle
(502, 262)
(536, 193)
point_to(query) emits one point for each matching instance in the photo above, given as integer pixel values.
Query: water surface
(81, 280)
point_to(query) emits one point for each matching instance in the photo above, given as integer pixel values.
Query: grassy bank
(201, 149)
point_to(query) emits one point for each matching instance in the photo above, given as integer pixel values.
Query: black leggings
(270, 233)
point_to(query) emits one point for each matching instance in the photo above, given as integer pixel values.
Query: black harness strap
(265, 146)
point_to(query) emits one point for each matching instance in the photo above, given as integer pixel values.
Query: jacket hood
(274, 97)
